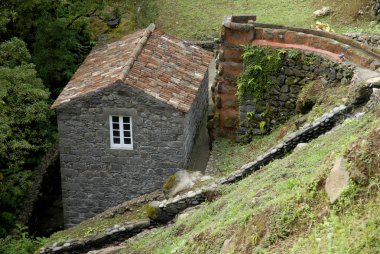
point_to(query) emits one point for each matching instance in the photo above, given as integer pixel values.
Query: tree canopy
(24, 125)
(42, 43)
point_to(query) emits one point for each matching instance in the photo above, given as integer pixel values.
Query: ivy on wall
(260, 63)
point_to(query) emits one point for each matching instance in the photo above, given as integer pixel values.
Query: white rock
(300, 146)
(184, 180)
(337, 180)
(323, 12)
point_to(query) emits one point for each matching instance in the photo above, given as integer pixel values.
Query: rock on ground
(337, 180)
(323, 12)
(184, 180)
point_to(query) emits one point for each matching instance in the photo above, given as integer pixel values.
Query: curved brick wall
(243, 30)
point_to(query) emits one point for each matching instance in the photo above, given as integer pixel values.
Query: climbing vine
(260, 63)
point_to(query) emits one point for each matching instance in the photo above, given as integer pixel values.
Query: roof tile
(150, 60)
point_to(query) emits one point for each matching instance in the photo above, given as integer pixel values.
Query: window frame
(121, 130)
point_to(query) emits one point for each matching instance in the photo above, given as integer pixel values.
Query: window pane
(127, 134)
(115, 119)
(127, 141)
(116, 140)
(115, 126)
(127, 127)
(126, 119)
(116, 133)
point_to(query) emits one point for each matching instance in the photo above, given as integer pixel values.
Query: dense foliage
(260, 63)
(24, 126)
(42, 43)
(56, 33)
(20, 243)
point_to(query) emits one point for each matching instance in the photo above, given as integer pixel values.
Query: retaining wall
(243, 30)
(369, 39)
(278, 105)
(166, 210)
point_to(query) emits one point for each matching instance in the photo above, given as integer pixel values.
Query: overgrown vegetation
(284, 207)
(42, 43)
(202, 19)
(59, 34)
(25, 127)
(20, 243)
(260, 63)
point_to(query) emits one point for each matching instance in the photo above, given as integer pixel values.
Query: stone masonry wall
(194, 118)
(296, 71)
(244, 30)
(370, 39)
(376, 10)
(166, 210)
(95, 177)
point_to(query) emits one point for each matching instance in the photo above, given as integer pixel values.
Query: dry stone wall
(116, 234)
(296, 71)
(369, 39)
(96, 177)
(166, 210)
(244, 30)
(376, 10)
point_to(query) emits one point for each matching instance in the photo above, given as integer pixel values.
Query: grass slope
(200, 19)
(282, 208)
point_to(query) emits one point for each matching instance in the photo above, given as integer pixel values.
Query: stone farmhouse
(127, 120)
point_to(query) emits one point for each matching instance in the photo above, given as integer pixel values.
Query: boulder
(374, 100)
(324, 11)
(181, 181)
(300, 146)
(337, 180)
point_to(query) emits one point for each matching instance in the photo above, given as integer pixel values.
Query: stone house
(127, 120)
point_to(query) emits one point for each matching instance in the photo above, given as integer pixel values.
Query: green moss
(169, 183)
(150, 211)
(308, 97)
(260, 63)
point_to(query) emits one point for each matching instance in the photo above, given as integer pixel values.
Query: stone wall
(298, 68)
(376, 10)
(166, 210)
(369, 39)
(116, 234)
(194, 118)
(244, 30)
(95, 177)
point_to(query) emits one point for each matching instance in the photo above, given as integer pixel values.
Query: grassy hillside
(203, 18)
(283, 208)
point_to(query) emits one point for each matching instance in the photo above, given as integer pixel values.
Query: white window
(121, 132)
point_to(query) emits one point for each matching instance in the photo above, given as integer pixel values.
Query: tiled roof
(160, 65)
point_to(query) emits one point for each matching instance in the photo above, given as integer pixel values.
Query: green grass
(202, 19)
(356, 231)
(261, 212)
(97, 225)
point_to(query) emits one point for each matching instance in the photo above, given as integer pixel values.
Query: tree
(56, 32)
(24, 126)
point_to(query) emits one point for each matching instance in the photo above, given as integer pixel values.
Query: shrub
(260, 63)
(20, 243)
